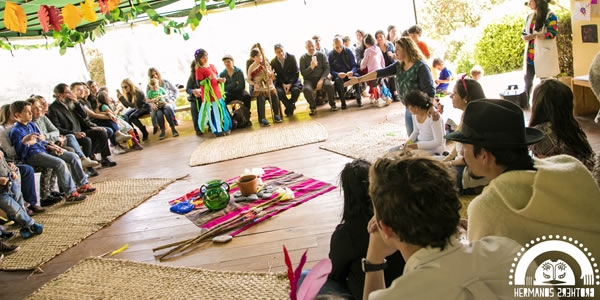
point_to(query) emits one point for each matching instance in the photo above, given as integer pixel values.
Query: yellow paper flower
(15, 18)
(71, 16)
(112, 4)
(88, 10)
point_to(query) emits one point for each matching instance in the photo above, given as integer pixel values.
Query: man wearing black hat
(526, 198)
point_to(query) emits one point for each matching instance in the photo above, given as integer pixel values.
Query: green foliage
(441, 18)
(501, 47)
(67, 38)
(564, 41)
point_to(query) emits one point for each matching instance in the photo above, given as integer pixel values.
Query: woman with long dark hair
(552, 113)
(541, 52)
(350, 239)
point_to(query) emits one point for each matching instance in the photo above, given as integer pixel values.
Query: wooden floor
(308, 226)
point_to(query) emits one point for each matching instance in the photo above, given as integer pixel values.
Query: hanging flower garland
(63, 22)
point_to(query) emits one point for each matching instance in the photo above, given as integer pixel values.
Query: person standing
(541, 52)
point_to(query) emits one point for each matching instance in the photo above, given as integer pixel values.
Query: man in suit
(70, 117)
(342, 65)
(286, 78)
(315, 71)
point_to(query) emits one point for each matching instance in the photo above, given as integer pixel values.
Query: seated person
(314, 68)
(30, 195)
(157, 97)
(552, 114)
(235, 85)
(444, 78)
(342, 66)
(34, 150)
(171, 90)
(428, 134)
(260, 76)
(287, 78)
(526, 197)
(104, 101)
(476, 72)
(69, 116)
(350, 239)
(417, 212)
(11, 202)
(415, 32)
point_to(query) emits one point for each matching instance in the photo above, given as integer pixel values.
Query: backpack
(241, 117)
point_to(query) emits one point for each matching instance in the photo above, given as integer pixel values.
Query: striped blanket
(304, 189)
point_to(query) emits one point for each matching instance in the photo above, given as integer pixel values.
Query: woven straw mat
(368, 143)
(97, 278)
(255, 141)
(65, 225)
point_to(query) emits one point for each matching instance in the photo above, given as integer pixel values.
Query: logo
(554, 266)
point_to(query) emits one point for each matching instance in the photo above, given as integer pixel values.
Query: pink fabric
(305, 190)
(373, 60)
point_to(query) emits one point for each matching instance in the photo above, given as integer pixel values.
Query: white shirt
(429, 135)
(476, 271)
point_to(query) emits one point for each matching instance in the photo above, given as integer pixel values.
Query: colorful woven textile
(304, 189)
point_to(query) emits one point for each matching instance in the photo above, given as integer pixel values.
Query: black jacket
(60, 116)
(288, 73)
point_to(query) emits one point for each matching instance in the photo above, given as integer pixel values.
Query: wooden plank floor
(308, 226)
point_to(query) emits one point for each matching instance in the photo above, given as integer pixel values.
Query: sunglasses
(124, 87)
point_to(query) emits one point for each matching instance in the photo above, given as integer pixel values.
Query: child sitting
(157, 98)
(11, 202)
(443, 81)
(34, 150)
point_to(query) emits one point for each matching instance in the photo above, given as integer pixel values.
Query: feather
(298, 271)
(314, 280)
(290, 273)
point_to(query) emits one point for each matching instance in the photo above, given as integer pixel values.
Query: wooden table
(584, 100)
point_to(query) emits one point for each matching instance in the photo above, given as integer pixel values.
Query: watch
(368, 267)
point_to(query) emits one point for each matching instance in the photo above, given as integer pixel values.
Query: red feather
(290, 273)
(103, 6)
(56, 19)
(298, 271)
(44, 18)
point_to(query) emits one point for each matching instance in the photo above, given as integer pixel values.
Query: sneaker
(154, 130)
(344, 106)
(88, 163)
(264, 122)
(175, 133)
(381, 103)
(334, 108)
(6, 235)
(91, 172)
(75, 197)
(137, 147)
(57, 194)
(312, 112)
(27, 232)
(86, 189)
(6, 248)
(50, 200)
(118, 151)
(175, 122)
(122, 138)
(162, 135)
(277, 119)
(199, 133)
(106, 162)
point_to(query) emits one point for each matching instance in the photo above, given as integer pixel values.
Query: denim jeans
(71, 141)
(28, 184)
(59, 166)
(12, 203)
(164, 113)
(409, 122)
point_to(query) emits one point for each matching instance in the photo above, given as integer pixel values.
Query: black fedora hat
(495, 123)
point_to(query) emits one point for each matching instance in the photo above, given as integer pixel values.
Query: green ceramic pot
(215, 194)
